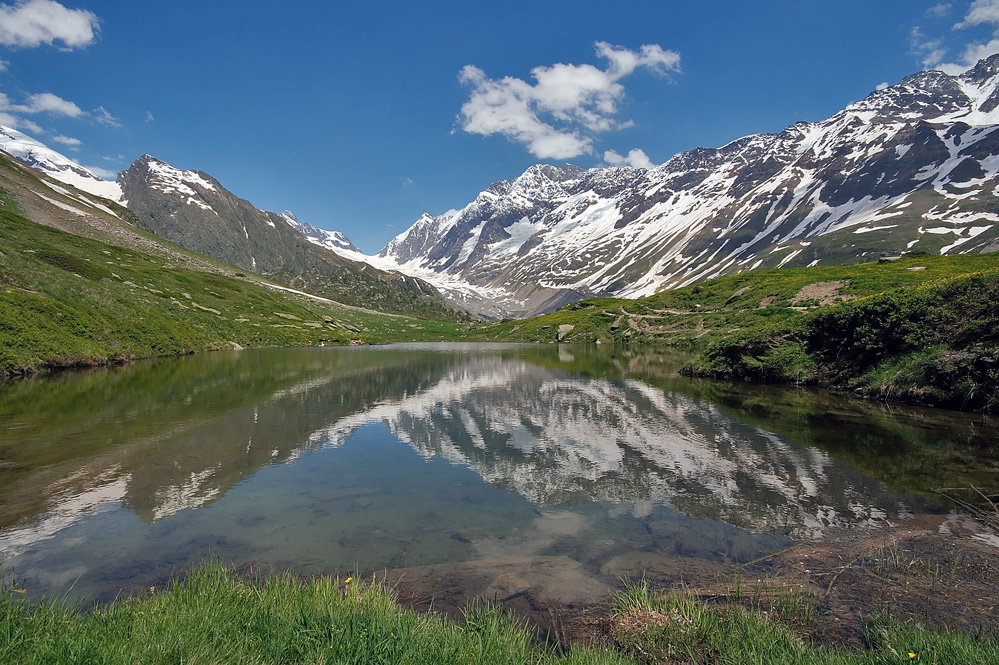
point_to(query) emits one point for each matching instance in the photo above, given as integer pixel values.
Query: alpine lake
(540, 477)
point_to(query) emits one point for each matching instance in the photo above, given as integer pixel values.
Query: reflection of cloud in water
(107, 491)
(551, 438)
(556, 439)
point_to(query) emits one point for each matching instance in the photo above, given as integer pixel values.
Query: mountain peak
(331, 240)
(911, 167)
(985, 69)
(168, 178)
(42, 158)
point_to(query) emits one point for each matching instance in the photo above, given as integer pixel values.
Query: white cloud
(68, 141)
(3, 65)
(882, 85)
(102, 116)
(102, 172)
(940, 10)
(635, 158)
(31, 23)
(930, 51)
(46, 102)
(15, 122)
(558, 116)
(149, 116)
(981, 12)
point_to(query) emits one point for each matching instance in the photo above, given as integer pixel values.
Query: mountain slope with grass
(936, 343)
(921, 329)
(192, 209)
(81, 283)
(912, 167)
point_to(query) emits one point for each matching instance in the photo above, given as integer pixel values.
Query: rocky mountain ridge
(911, 167)
(192, 209)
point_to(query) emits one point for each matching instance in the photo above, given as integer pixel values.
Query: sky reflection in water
(401, 457)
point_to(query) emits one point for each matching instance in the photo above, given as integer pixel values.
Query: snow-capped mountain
(192, 209)
(39, 156)
(331, 240)
(911, 167)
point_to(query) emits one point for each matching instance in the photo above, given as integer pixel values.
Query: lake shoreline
(838, 590)
(937, 570)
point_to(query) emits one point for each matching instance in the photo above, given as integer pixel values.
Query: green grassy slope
(921, 329)
(67, 300)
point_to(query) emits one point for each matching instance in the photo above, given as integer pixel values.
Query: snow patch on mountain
(171, 180)
(334, 241)
(39, 156)
(924, 148)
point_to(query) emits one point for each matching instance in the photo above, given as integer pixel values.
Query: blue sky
(361, 116)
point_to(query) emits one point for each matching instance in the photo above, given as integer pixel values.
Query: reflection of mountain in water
(162, 437)
(555, 439)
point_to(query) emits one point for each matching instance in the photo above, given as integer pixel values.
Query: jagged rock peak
(984, 70)
(910, 167)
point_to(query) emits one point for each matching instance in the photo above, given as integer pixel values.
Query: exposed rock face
(912, 167)
(193, 210)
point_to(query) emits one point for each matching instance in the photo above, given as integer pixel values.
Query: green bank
(920, 328)
(67, 300)
(215, 616)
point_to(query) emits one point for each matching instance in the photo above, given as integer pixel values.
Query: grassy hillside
(234, 231)
(936, 343)
(921, 328)
(68, 300)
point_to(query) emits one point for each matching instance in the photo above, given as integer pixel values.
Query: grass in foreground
(215, 616)
(676, 627)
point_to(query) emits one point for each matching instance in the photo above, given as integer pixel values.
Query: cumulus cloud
(102, 172)
(68, 141)
(559, 115)
(883, 85)
(3, 65)
(635, 158)
(981, 12)
(31, 23)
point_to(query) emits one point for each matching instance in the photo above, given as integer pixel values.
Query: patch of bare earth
(825, 293)
(932, 569)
